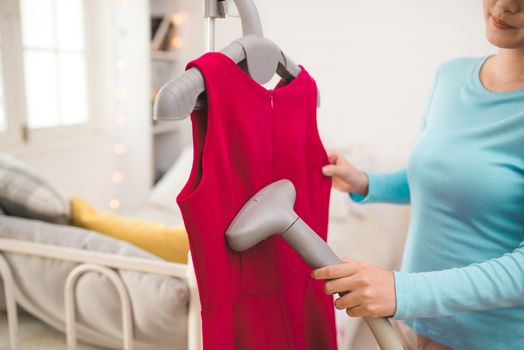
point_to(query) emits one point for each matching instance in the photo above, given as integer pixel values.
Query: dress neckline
(295, 83)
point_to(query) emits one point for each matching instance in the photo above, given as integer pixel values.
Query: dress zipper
(271, 126)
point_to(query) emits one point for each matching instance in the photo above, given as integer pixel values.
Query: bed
(98, 289)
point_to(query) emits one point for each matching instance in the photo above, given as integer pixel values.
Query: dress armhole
(314, 126)
(199, 123)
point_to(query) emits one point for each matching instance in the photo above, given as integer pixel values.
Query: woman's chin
(504, 41)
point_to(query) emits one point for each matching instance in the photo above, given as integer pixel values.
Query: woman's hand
(371, 289)
(346, 177)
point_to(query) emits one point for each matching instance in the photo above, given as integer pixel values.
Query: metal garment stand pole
(247, 12)
(194, 324)
(210, 34)
(212, 9)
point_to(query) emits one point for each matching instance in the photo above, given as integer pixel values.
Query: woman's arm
(375, 292)
(495, 283)
(389, 187)
(367, 187)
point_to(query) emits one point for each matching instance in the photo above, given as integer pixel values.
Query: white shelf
(163, 56)
(166, 63)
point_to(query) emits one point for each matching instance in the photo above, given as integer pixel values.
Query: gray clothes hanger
(262, 58)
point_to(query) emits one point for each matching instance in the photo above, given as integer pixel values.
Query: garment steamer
(270, 213)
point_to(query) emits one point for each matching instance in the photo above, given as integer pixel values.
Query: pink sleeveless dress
(249, 137)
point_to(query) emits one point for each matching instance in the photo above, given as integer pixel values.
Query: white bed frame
(105, 264)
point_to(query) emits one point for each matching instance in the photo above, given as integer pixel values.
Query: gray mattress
(159, 303)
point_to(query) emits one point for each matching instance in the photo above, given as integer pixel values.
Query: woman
(462, 280)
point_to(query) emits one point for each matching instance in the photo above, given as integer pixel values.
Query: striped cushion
(25, 194)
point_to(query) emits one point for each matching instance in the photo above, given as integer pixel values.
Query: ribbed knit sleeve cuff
(390, 187)
(374, 186)
(403, 292)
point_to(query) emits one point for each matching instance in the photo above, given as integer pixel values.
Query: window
(53, 42)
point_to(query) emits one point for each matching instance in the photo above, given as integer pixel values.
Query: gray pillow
(25, 194)
(159, 302)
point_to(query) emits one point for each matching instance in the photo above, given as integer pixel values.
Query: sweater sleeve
(391, 187)
(494, 283)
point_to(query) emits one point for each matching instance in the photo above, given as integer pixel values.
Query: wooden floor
(35, 335)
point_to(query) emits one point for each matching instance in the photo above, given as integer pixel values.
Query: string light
(120, 120)
(177, 19)
(114, 203)
(120, 93)
(121, 64)
(119, 149)
(176, 42)
(118, 177)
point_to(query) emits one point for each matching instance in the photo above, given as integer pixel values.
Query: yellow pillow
(169, 243)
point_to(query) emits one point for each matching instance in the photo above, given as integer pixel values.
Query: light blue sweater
(462, 279)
